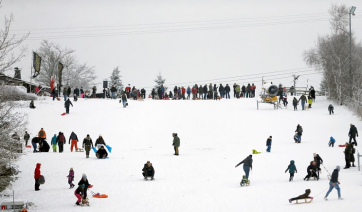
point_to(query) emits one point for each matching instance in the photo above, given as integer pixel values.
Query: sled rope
(321, 192)
(325, 169)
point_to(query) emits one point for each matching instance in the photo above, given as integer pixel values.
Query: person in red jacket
(183, 91)
(37, 176)
(194, 92)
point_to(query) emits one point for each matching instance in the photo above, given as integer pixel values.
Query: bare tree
(8, 43)
(331, 56)
(74, 73)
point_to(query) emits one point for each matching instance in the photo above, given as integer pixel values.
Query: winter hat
(87, 135)
(338, 168)
(84, 176)
(270, 136)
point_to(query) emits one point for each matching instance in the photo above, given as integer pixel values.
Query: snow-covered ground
(215, 136)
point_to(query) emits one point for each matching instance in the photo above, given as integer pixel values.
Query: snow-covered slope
(215, 136)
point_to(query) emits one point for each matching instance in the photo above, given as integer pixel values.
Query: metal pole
(295, 90)
(350, 54)
(358, 160)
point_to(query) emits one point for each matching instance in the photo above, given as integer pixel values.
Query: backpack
(41, 133)
(61, 137)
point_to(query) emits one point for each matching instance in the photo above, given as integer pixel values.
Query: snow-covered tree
(10, 120)
(116, 81)
(160, 81)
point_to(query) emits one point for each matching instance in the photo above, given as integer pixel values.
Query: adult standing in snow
(54, 143)
(227, 91)
(295, 103)
(221, 90)
(37, 176)
(67, 105)
(61, 141)
(248, 165)
(143, 93)
(148, 170)
(124, 99)
(113, 92)
(205, 91)
(87, 144)
(299, 132)
(34, 142)
(269, 143)
(176, 143)
(243, 91)
(94, 90)
(81, 92)
(237, 91)
(201, 91)
(292, 90)
(331, 109)
(312, 93)
(347, 155)
(352, 134)
(65, 93)
(210, 90)
(352, 159)
(84, 181)
(318, 161)
(304, 99)
(42, 135)
(334, 183)
(26, 138)
(76, 93)
(194, 92)
(73, 137)
(68, 91)
(128, 90)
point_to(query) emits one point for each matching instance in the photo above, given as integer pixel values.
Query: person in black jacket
(234, 89)
(148, 170)
(248, 165)
(79, 193)
(101, 153)
(331, 109)
(227, 91)
(100, 142)
(87, 144)
(312, 171)
(221, 90)
(67, 104)
(269, 143)
(352, 134)
(318, 161)
(61, 141)
(44, 147)
(303, 196)
(34, 142)
(334, 183)
(84, 181)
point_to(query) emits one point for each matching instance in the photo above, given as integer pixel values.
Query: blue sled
(94, 149)
(104, 158)
(109, 148)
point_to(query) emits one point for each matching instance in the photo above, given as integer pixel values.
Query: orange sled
(100, 195)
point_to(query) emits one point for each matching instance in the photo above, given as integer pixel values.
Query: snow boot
(77, 203)
(290, 200)
(340, 198)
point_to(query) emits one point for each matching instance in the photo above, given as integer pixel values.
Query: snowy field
(215, 136)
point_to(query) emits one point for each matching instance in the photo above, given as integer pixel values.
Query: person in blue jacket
(292, 169)
(54, 143)
(331, 142)
(269, 143)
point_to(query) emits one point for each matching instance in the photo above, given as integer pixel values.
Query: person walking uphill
(292, 168)
(176, 143)
(87, 144)
(299, 132)
(42, 135)
(67, 104)
(61, 141)
(352, 134)
(334, 183)
(304, 100)
(248, 165)
(54, 143)
(269, 143)
(26, 138)
(37, 176)
(73, 137)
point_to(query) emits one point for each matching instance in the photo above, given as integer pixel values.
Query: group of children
(81, 191)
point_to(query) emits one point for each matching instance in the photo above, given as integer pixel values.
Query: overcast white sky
(187, 41)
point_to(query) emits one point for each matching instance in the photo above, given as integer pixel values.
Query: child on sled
(303, 196)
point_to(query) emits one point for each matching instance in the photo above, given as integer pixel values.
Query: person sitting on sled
(148, 170)
(303, 196)
(79, 192)
(84, 181)
(101, 153)
(312, 171)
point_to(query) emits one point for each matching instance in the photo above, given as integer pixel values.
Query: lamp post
(351, 12)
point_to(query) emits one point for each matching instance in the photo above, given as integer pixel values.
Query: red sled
(29, 146)
(63, 114)
(344, 145)
(90, 186)
(58, 98)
